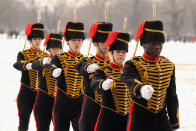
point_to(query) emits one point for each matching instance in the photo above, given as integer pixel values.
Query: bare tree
(193, 13)
(174, 13)
(173, 10)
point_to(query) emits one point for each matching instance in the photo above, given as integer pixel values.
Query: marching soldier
(151, 79)
(69, 97)
(115, 94)
(29, 79)
(91, 106)
(47, 85)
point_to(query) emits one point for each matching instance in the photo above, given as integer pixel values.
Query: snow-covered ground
(182, 54)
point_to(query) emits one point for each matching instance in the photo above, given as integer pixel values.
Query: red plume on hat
(29, 29)
(47, 39)
(111, 38)
(93, 29)
(66, 28)
(140, 30)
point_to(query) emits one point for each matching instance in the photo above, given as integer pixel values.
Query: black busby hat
(118, 41)
(150, 31)
(74, 30)
(53, 40)
(99, 31)
(34, 30)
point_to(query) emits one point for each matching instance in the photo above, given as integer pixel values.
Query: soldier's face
(101, 48)
(35, 43)
(75, 45)
(153, 49)
(118, 56)
(54, 51)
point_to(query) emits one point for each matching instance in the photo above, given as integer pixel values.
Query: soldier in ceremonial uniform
(151, 80)
(29, 79)
(47, 84)
(91, 106)
(115, 94)
(69, 96)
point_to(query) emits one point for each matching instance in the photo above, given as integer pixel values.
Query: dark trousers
(89, 115)
(43, 111)
(25, 101)
(66, 110)
(111, 121)
(143, 120)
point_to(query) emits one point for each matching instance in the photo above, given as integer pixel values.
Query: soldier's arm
(38, 64)
(172, 103)
(20, 63)
(98, 78)
(81, 67)
(55, 63)
(131, 77)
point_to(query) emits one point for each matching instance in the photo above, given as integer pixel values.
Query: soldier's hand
(146, 91)
(46, 60)
(92, 68)
(56, 72)
(29, 66)
(106, 85)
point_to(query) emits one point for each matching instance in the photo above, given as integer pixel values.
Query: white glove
(176, 130)
(146, 91)
(46, 60)
(56, 72)
(29, 66)
(92, 68)
(106, 85)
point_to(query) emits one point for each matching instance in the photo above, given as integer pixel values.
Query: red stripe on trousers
(95, 129)
(34, 109)
(81, 111)
(17, 105)
(53, 110)
(130, 117)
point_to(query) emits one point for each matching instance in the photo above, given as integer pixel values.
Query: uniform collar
(100, 57)
(116, 66)
(149, 58)
(73, 54)
(34, 50)
(50, 56)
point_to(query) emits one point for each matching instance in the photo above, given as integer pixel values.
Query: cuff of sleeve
(85, 67)
(176, 126)
(136, 90)
(24, 66)
(41, 62)
(51, 69)
(100, 83)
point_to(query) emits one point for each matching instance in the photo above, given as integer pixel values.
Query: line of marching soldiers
(97, 93)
